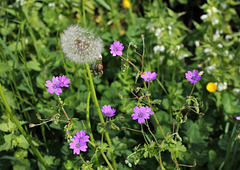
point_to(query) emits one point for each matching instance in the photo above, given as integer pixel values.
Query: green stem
(155, 117)
(161, 85)
(15, 120)
(104, 156)
(160, 160)
(95, 101)
(89, 124)
(151, 132)
(127, 60)
(144, 135)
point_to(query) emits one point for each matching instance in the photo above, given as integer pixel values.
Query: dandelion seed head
(81, 45)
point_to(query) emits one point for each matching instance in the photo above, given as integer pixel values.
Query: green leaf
(8, 142)
(229, 103)
(50, 15)
(4, 67)
(104, 4)
(212, 155)
(4, 127)
(23, 142)
(33, 65)
(21, 165)
(156, 101)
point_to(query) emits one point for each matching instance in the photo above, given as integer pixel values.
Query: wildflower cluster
(79, 142)
(56, 83)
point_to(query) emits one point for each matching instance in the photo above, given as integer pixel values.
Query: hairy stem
(95, 101)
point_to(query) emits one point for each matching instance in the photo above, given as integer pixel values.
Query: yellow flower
(211, 87)
(126, 3)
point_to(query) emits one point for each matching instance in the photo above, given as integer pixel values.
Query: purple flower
(148, 76)
(108, 111)
(238, 117)
(54, 86)
(78, 146)
(148, 110)
(141, 114)
(116, 48)
(82, 136)
(194, 76)
(64, 81)
(79, 142)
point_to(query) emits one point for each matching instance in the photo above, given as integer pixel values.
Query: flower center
(55, 86)
(81, 45)
(77, 145)
(140, 114)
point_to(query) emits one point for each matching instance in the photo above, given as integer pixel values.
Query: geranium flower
(148, 76)
(82, 136)
(116, 48)
(79, 142)
(78, 146)
(108, 111)
(64, 81)
(140, 114)
(54, 86)
(194, 76)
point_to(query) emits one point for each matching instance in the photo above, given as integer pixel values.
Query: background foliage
(179, 36)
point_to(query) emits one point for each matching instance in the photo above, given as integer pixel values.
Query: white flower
(150, 27)
(51, 4)
(204, 17)
(214, 20)
(207, 50)
(222, 86)
(209, 68)
(236, 90)
(80, 45)
(230, 56)
(220, 45)
(226, 52)
(197, 43)
(181, 56)
(216, 35)
(20, 2)
(158, 31)
(228, 37)
(158, 48)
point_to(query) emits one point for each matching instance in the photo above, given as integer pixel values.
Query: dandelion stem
(94, 98)
(89, 124)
